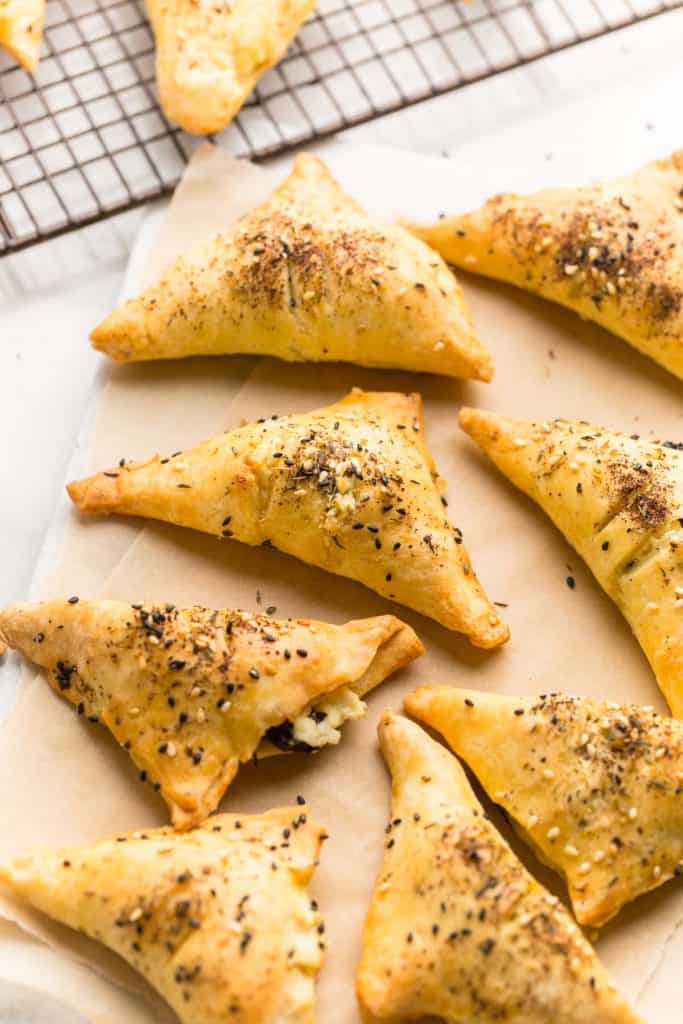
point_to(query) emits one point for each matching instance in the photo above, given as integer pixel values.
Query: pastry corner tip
(26, 49)
(418, 700)
(387, 718)
(493, 634)
(484, 370)
(100, 335)
(77, 490)
(472, 420)
(96, 494)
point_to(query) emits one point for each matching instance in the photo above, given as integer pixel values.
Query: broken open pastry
(193, 693)
(619, 501)
(218, 920)
(21, 30)
(306, 276)
(210, 56)
(350, 488)
(594, 788)
(612, 251)
(457, 929)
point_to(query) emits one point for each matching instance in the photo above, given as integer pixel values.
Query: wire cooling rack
(85, 137)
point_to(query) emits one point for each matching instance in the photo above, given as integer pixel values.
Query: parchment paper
(69, 782)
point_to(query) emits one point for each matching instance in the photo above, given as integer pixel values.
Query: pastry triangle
(306, 276)
(619, 501)
(218, 920)
(210, 56)
(612, 251)
(21, 30)
(193, 693)
(594, 788)
(350, 488)
(457, 929)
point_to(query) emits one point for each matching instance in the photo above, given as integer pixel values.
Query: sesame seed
(633, 813)
(548, 773)
(585, 867)
(533, 821)
(570, 269)
(571, 851)
(135, 915)
(553, 832)
(170, 749)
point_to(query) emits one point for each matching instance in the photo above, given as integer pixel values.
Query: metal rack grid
(85, 138)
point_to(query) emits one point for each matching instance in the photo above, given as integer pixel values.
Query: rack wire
(85, 138)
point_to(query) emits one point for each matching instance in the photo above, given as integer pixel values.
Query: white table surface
(618, 97)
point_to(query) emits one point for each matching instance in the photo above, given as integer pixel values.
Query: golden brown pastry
(21, 30)
(612, 251)
(619, 501)
(210, 56)
(594, 788)
(193, 693)
(350, 488)
(218, 920)
(457, 929)
(306, 276)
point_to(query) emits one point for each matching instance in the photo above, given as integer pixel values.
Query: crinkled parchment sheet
(64, 781)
